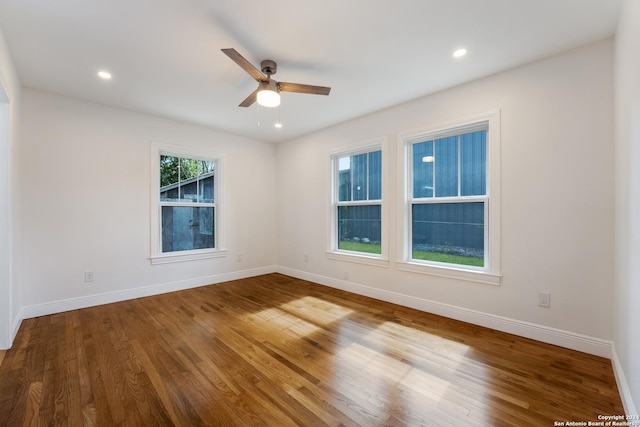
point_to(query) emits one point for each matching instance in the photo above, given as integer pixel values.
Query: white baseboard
(16, 324)
(127, 294)
(623, 386)
(545, 334)
(12, 332)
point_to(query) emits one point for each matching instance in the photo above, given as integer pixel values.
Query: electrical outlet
(544, 299)
(306, 258)
(239, 258)
(88, 276)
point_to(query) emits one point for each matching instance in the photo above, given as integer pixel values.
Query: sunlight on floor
(316, 310)
(280, 319)
(424, 369)
(403, 338)
(395, 360)
(383, 371)
(380, 365)
(303, 316)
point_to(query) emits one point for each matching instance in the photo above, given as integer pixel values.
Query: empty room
(344, 213)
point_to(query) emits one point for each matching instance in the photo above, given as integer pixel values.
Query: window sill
(452, 273)
(358, 258)
(186, 256)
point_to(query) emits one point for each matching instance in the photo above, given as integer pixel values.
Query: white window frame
(380, 260)
(219, 249)
(491, 272)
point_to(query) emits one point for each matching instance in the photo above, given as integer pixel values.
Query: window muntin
(357, 206)
(448, 198)
(187, 203)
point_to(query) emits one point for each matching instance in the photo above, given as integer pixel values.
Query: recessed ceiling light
(460, 53)
(278, 125)
(104, 75)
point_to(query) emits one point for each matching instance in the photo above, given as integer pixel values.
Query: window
(357, 202)
(186, 205)
(449, 205)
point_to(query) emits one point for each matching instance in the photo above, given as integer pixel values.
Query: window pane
(185, 180)
(205, 167)
(473, 160)
(446, 167)
(204, 181)
(375, 175)
(423, 160)
(344, 179)
(205, 187)
(359, 228)
(186, 228)
(359, 173)
(360, 177)
(169, 178)
(168, 170)
(448, 232)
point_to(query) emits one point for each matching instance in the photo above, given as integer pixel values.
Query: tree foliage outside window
(176, 169)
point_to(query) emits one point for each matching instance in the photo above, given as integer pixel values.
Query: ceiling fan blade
(300, 88)
(249, 100)
(244, 64)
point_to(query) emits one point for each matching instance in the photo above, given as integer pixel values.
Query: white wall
(627, 250)
(557, 200)
(9, 185)
(86, 204)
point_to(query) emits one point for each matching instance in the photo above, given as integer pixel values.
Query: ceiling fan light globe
(268, 98)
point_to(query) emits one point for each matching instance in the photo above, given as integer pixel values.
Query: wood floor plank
(277, 351)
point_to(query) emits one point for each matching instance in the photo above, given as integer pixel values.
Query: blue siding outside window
(458, 226)
(473, 163)
(359, 177)
(446, 167)
(359, 194)
(452, 168)
(359, 224)
(423, 169)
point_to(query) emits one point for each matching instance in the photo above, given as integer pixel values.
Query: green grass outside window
(375, 248)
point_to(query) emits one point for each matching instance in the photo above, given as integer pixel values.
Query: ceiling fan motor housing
(269, 67)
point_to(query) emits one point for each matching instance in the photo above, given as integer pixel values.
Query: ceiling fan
(268, 92)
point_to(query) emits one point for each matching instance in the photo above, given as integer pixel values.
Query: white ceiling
(165, 54)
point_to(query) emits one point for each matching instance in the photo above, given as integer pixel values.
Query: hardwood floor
(277, 351)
